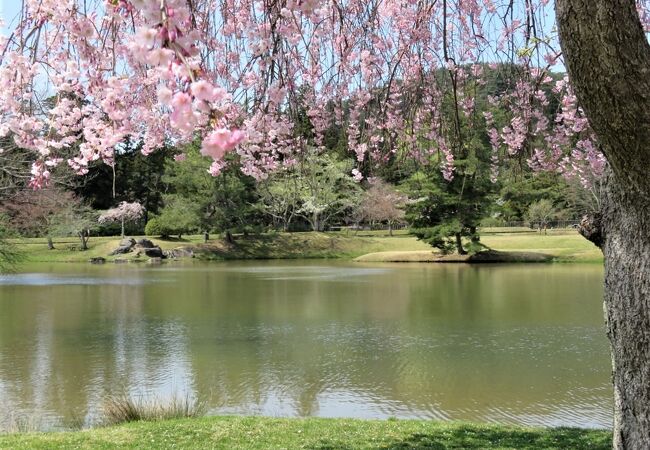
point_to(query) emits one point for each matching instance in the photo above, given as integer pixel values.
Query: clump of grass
(125, 408)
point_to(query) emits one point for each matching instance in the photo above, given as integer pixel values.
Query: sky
(8, 11)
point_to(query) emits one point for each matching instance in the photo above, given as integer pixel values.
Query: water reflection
(513, 344)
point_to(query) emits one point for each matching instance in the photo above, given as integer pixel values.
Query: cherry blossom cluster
(123, 212)
(81, 79)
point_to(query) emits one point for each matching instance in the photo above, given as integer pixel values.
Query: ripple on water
(309, 272)
(43, 279)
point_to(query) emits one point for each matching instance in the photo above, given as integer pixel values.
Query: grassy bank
(565, 246)
(514, 246)
(266, 246)
(271, 433)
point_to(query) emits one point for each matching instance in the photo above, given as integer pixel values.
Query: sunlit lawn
(272, 433)
(567, 245)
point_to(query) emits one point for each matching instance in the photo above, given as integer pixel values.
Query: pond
(519, 344)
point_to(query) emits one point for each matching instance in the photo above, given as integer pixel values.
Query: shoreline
(561, 247)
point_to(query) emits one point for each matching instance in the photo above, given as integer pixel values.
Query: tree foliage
(540, 214)
(76, 219)
(177, 217)
(9, 254)
(326, 190)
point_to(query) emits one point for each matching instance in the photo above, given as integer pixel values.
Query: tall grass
(125, 408)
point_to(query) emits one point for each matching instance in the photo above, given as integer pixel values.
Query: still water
(521, 344)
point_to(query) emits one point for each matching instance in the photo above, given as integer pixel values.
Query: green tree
(519, 192)
(9, 254)
(442, 212)
(179, 216)
(327, 188)
(280, 197)
(540, 214)
(136, 178)
(226, 203)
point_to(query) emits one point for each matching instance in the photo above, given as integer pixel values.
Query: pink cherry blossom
(220, 141)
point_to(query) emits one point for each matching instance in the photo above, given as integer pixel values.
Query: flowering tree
(382, 203)
(124, 212)
(400, 77)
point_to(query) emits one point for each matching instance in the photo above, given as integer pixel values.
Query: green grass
(563, 245)
(559, 245)
(233, 432)
(35, 249)
(267, 246)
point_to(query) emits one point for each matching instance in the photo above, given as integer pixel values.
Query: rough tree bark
(608, 60)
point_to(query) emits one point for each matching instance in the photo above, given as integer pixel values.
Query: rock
(154, 252)
(120, 261)
(122, 249)
(127, 242)
(180, 252)
(155, 260)
(145, 243)
(125, 247)
(98, 260)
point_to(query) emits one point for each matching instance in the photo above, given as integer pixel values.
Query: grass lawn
(560, 245)
(564, 245)
(233, 432)
(267, 246)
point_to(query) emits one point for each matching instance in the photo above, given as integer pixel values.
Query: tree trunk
(390, 228)
(625, 239)
(474, 236)
(50, 244)
(315, 222)
(83, 237)
(608, 60)
(122, 228)
(459, 245)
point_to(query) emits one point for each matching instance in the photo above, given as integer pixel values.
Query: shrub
(155, 228)
(178, 217)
